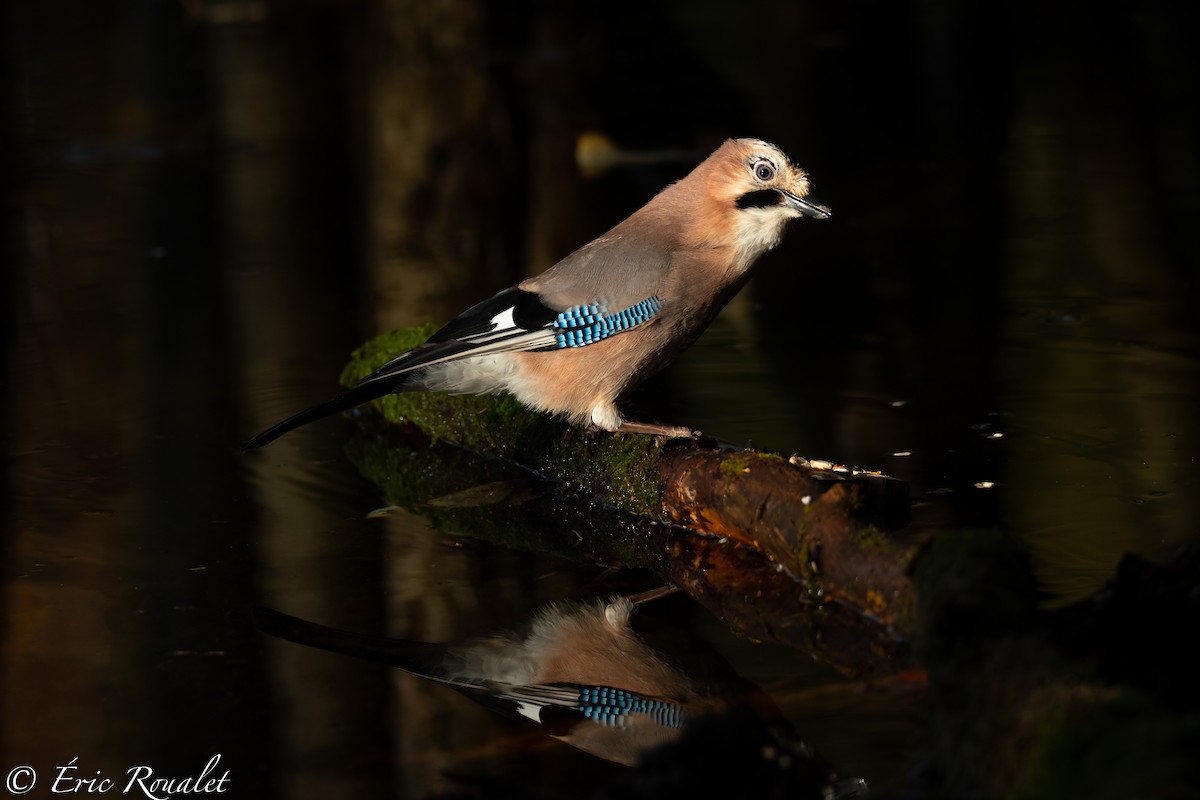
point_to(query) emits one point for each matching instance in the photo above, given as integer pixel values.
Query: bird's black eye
(764, 171)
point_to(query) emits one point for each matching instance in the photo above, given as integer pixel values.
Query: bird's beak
(806, 207)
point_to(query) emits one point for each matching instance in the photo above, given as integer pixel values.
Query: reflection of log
(495, 500)
(824, 527)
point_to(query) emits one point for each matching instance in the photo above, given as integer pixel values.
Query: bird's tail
(364, 392)
(420, 658)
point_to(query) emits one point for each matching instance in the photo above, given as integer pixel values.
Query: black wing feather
(458, 338)
(529, 313)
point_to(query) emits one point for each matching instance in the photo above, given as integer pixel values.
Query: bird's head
(757, 175)
(750, 189)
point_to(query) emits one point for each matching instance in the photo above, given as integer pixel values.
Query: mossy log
(827, 530)
(487, 498)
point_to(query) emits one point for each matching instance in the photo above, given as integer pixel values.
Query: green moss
(869, 537)
(734, 465)
(621, 467)
(618, 466)
(443, 483)
(633, 459)
(486, 423)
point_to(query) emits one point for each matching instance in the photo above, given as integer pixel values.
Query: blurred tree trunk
(438, 159)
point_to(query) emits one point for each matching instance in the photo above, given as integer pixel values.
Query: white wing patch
(529, 711)
(504, 320)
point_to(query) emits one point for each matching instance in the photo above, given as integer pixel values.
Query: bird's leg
(652, 594)
(617, 612)
(658, 430)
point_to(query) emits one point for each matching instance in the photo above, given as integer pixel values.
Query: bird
(574, 339)
(583, 674)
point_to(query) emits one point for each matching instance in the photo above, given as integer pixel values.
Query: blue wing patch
(610, 706)
(580, 326)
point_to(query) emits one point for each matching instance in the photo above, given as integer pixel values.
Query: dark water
(210, 205)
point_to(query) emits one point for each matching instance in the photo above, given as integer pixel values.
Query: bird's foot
(671, 431)
(652, 594)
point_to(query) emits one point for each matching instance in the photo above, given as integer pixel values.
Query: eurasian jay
(572, 340)
(585, 676)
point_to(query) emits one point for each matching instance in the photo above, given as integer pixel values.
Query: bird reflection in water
(652, 697)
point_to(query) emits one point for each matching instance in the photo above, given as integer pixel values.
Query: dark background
(209, 204)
